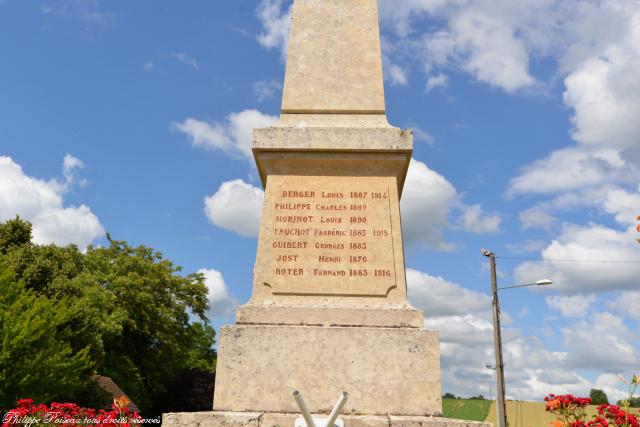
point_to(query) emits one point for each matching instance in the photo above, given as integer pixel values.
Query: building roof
(109, 386)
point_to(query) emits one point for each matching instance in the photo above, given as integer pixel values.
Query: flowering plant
(28, 414)
(570, 410)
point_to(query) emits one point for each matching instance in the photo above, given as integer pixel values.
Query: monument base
(262, 419)
(379, 317)
(384, 370)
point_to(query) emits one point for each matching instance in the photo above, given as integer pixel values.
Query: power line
(601, 261)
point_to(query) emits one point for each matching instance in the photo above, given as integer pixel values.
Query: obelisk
(329, 310)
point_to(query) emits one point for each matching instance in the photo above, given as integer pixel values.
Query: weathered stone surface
(333, 121)
(278, 420)
(211, 419)
(230, 419)
(347, 138)
(334, 62)
(405, 317)
(385, 370)
(330, 236)
(288, 420)
(411, 421)
(333, 151)
(331, 163)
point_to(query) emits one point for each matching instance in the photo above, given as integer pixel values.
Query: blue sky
(134, 118)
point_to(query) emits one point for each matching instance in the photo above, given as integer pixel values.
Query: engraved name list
(327, 236)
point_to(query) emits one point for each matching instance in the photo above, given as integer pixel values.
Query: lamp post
(493, 368)
(501, 405)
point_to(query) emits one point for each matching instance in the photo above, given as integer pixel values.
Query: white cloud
(41, 203)
(610, 384)
(426, 201)
(185, 59)
(570, 169)
(439, 297)
(433, 82)
(603, 91)
(536, 217)
(488, 39)
(148, 66)
(486, 47)
(399, 15)
(422, 135)
(602, 331)
(275, 17)
(86, 11)
(571, 306)
(600, 56)
(627, 303)
(222, 304)
(591, 242)
(476, 220)
(623, 205)
(69, 166)
(396, 75)
(526, 247)
(233, 137)
(236, 206)
(266, 89)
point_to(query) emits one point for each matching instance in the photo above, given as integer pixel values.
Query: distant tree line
(119, 311)
(598, 397)
(453, 396)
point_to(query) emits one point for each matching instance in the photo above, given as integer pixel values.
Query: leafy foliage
(34, 360)
(121, 311)
(634, 402)
(191, 391)
(598, 397)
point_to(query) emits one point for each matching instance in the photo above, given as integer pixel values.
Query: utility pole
(501, 407)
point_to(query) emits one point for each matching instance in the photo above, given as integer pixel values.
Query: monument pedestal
(384, 370)
(272, 419)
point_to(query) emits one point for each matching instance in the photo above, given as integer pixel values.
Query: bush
(598, 397)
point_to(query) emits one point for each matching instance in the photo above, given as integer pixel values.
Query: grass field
(466, 409)
(519, 414)
(527, 414)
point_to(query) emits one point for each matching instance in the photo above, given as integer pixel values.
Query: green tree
(598, 397)
(35, 360)
(634, 402)
(127, 310)
(14, 233)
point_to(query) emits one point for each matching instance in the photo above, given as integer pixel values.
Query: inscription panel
(326, 235)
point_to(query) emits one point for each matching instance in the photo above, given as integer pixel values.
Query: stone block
(332, 151)
(334, 62)
(404, 317)
(412, 421)
(211, 419)
(385, 370)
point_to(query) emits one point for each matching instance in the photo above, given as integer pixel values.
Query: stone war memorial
(329, 310)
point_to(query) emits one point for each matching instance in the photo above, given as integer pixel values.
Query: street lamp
(493, 368)
(501, 406)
